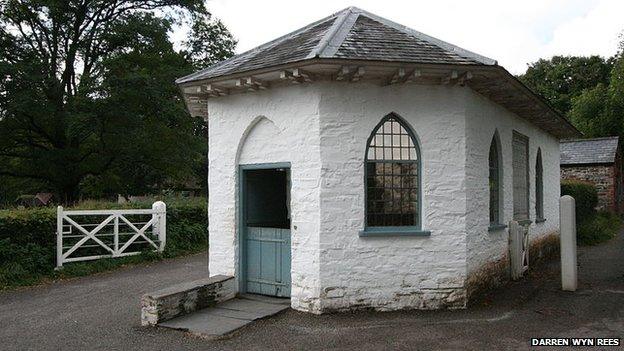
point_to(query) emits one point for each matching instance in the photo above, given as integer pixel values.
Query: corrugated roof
(349, 34)
(588, 151)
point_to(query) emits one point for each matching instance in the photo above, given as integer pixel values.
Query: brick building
(598, 161)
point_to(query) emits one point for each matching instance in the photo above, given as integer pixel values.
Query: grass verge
(599, 228)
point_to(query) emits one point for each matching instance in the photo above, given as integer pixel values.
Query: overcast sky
(512, 32)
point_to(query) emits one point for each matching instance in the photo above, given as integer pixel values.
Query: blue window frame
(393, 180)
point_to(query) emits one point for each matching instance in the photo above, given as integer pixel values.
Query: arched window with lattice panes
(393, 191)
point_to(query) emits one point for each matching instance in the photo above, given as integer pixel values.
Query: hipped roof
(354, 36)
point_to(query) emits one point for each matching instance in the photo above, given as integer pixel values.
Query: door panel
(268, 261)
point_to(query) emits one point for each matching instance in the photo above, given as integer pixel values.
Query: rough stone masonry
(185, 298)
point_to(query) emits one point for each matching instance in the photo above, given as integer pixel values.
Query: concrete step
(224, 318)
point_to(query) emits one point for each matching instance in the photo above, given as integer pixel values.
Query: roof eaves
(588, 139)
(573, 131)
(585, 164)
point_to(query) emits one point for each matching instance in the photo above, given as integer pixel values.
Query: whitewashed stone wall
(483, 118)
(276, 125)
(322, 129)
(392, 272)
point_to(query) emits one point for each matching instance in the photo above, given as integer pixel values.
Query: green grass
(598, 228)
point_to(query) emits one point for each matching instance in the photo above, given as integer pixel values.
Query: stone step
(226, 317)
(185, 298)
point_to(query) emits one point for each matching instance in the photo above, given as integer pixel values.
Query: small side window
(539, 187)
(495, 181)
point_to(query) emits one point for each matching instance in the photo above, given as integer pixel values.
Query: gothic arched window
(539, 187)
(495, 179)
(393, 191)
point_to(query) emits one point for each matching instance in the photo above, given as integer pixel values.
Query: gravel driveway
(101, 312)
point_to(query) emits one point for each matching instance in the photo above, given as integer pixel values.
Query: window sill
(393, 231)
(540, 220)
(496, 227)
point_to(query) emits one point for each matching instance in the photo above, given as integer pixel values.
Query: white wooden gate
(92, 234)
(518, 249)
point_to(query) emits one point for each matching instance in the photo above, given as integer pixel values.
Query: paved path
(98, 312)
(102, 313)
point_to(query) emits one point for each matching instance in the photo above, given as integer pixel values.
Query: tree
(87, 94)
(589, 113)
(209, 41)
(145, 126)
(562, 78)
(599, 111)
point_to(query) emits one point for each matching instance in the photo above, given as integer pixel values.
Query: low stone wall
(184, 298)
(496, 273)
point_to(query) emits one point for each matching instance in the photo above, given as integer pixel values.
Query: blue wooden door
(266, 232)
(268, 261)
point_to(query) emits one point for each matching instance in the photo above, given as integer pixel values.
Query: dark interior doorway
(267, 198)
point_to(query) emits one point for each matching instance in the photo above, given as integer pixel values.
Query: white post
(160, 226)
(116, 235)
(59, 237)
(515, 245)
(567, 218)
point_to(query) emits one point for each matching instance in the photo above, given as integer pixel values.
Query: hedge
(28, 241)
(585, 196)
(591, 227)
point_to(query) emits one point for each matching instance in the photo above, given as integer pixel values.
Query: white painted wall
(392, 272)
(322, 129)
(483, 117)
(276, 125)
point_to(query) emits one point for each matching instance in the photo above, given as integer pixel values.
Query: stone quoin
(381, 165)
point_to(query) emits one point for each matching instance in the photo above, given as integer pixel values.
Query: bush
(585, 196)
(28, 241)
(601, 227)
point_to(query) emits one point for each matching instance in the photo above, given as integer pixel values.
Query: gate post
(59, 237)
(567, 225)
(160, 227)
(515, 245)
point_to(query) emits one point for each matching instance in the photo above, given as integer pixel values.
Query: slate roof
(349, 34)
(588, 151)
